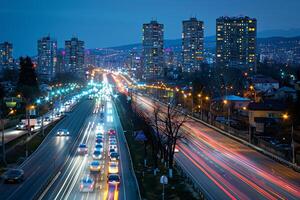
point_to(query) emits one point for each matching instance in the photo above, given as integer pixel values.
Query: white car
(113, 147)
(62, 132)
(82, 149)
(113, 167)
(87, 184)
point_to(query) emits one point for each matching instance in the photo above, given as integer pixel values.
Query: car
(95, 166)
(176, 150)
(113, 179)
(13, 176)
(111, 150)
(47, 119)
(87, 184)
(62, 132)
(112, 142)
(97, 154)
(99, 147)
(21, 126)
(114, 156)
(111, 132)
(113, 147)
(99, 141)
(112, 139)
(82, 149)
(99, 137)
(99, 134)
(113, 167)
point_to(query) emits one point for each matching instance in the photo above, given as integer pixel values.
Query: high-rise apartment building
(74, 57)
(153, 50)
(47, 57)
(236, 42)
(192, 45)
(6, 58)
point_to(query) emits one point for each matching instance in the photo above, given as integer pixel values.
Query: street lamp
(285, 116)
(226, 102)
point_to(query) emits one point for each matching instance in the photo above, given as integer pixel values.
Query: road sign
(164, 180)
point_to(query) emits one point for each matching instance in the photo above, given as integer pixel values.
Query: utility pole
(293, 146)
(3, 142)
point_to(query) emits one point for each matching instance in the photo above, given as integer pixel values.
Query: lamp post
(286, 117)
(200, 97)
(28, 109)
(38, 103)
(228, 111)
(190, 95)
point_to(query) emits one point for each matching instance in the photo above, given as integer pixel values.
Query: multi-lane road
(49, 157)
(227, 169)
(67, 185)
(55, 169)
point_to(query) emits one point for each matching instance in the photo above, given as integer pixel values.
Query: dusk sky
(102, 23)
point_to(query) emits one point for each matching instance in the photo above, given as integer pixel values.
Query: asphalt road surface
(49, 157)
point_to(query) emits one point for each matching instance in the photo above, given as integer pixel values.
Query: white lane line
(69, 174)
(49, 186)
(82, 165)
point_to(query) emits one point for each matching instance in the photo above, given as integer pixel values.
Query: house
(285, 93)
(263, 83)
(264, 114)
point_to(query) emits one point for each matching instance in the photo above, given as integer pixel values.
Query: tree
(173, 119)
(27, 83)
(10, 75)
(157, 138)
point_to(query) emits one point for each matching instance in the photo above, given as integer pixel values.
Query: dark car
(13, 176)
(114, 156)
(99, 141)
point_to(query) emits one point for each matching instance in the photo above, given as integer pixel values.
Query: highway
(223, 167)
(227, 169)
(66, 185)
(49, 157)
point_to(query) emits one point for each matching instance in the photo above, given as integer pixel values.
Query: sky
(106, 23)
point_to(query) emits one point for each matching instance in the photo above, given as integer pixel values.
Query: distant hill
(279, 33)
(210, 43)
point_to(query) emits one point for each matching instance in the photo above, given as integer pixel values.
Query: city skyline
(61, 20)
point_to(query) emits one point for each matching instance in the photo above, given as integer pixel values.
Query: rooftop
(269, 105)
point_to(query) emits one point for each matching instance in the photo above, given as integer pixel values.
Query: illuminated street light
(285, 116)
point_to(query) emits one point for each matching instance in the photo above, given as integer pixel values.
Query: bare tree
(173, 120)
(166, 121)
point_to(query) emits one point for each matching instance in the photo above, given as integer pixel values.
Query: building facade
(153, 50)
(74, 56)
(192, 45)
(236, 42)
(47, 57)
(6, 58)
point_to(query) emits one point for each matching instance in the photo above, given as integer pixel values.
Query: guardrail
(131, 168)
